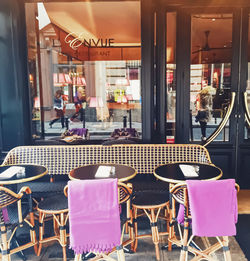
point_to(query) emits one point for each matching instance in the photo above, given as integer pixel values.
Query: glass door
(243, 112)
(207, 84)
(246, 93)
(210, 76)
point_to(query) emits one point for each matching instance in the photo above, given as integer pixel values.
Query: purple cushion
(79, 131)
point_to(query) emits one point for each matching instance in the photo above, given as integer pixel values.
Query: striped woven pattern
(6, 199)
(59, 160)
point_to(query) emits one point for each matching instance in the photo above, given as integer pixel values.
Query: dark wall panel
(14, 94)
(244, 169)
(224, 160)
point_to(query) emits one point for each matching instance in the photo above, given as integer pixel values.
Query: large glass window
(85, 71)
(171, 76)
(210, 76)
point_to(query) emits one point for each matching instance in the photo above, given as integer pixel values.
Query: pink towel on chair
(94, 219)
(213, 206)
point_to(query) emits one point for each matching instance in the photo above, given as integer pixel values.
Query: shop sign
(76, 40)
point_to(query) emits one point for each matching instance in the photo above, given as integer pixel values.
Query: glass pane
(171, 76)
(34, 83)
(90, 66)
(247, 124)
(210, 76)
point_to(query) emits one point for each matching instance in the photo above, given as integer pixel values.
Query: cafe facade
(141, 63)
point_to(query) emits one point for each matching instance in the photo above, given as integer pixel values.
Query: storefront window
(86, 66)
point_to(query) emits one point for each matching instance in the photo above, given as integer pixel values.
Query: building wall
(15, 125)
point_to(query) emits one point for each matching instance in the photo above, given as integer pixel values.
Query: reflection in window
(92, 62)
(171, 76)
(210, 75)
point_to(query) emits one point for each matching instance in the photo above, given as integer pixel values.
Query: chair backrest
(7, 197)
(125, 192)
(143, 157)
(179, 192)
(212, 203)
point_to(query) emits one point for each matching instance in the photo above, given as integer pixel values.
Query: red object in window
(170, 77)
(170, 140)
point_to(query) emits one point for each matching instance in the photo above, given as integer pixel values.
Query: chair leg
(226, 250)
(131, 228)
(78, 257)
(128, 203)
(63, 237)
(4, 244)
(33, 233)
(41, 231)
(155, 233)
(171, 221)
(184, 250)
(135, 244)
(120, 254)
(56, 227)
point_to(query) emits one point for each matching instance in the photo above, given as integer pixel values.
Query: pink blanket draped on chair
(213, 207)
(94, 218)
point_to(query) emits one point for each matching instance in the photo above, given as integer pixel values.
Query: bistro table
(179, 172)
(14, 174)
(101, 171)
(173, 172)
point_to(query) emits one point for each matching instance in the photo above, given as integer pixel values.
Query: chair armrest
(66, 191)
(26, 191)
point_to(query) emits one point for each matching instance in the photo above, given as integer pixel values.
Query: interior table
(14, 174)
(174, 173)
(101, 171)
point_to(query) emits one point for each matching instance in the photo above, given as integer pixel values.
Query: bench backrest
(143, 157)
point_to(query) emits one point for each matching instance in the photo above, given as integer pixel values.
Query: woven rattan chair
(125, 192)
(151, 195)
(180, 195)
(155, 205)
(57, 208)
(13, 212)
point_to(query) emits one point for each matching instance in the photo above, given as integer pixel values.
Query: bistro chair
(126, 217)
(55, 208)
(154, 205)
(14, 210)
(145, 183)
(124, 195)
(207, 209)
